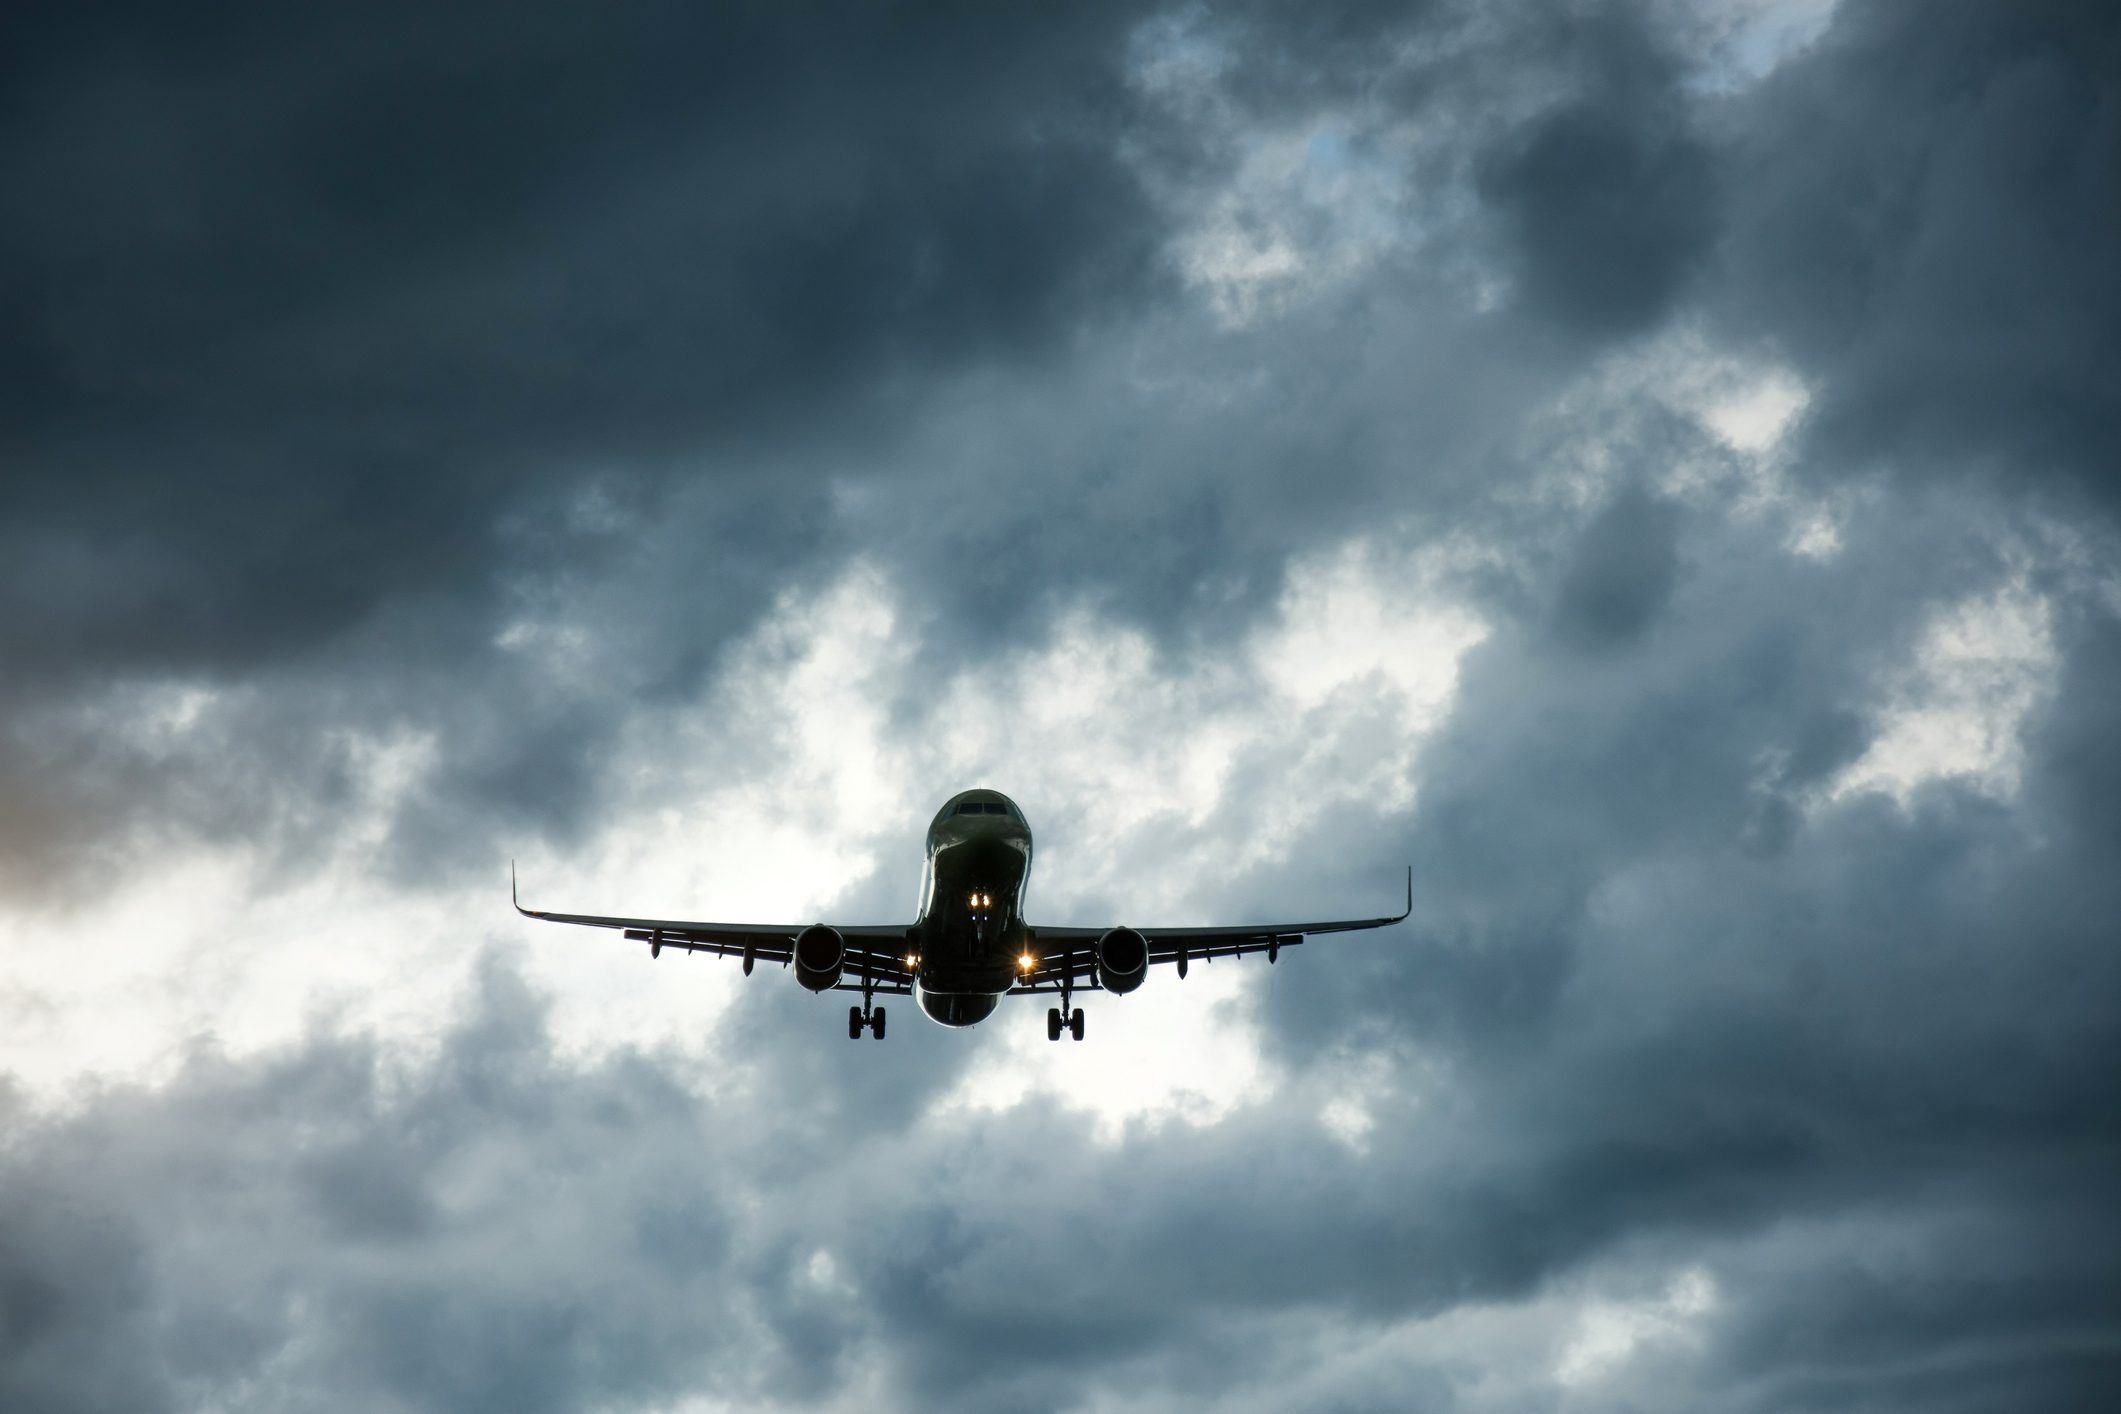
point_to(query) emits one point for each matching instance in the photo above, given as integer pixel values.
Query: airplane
(970, 945)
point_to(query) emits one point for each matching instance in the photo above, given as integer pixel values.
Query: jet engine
(820, 955)
(1122, 960)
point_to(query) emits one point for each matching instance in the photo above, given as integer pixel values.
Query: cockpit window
(996, 808)
(970, 807)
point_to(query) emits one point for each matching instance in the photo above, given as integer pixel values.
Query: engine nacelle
(820, 957)
(1122, 960)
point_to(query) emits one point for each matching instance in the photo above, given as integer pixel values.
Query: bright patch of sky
(1173, 1052)
(802, 779)
(1307, 207)
(1359, 663)
(1737, 43)
(1955, 711)
(1744, 407)
(1305, 212)
(1355, 1088)
(1608, 1333)
(1747, 405)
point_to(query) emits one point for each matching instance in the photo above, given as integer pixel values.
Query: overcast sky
(1650, 466)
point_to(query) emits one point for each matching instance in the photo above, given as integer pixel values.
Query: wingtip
(1410, 892)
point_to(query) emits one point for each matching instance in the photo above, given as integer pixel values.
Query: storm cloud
(1648, 466)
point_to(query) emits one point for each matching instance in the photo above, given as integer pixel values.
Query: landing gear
(865, 1017)
(1065, 1017)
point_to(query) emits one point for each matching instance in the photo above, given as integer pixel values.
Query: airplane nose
(996, 856)
(957, 1008)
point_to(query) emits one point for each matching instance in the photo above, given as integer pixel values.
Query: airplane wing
(1071, 953)
(876, 951)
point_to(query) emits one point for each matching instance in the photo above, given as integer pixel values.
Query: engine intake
(1122, 960)
(820, 957)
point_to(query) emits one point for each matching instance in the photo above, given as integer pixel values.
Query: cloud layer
(1649, 466)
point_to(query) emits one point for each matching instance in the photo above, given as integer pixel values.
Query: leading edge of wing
(1240, 930)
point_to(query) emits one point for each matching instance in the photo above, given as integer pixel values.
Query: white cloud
(1747, 408)
(1173, 1052)
(1956, 710)
(1746, 403)
(1753, 415)
(1608, 1333)
(807, 770)
(1740, 42)
(1333, 696)
(1305, 211)
(1308, 206)
(1355, 1087)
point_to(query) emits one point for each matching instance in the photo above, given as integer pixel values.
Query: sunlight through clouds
(1956, 710)
(1609, 1332)
(808, 769)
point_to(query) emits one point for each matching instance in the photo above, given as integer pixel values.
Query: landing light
(913, 960)
(1027, 962)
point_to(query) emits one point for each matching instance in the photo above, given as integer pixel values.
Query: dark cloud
(1924, 214)
(499, 1227)
(1701, 994)
(477, 382)
(1606, 196)
(490, 1229)
(314, 307)
(1620, 573)
(326, 330)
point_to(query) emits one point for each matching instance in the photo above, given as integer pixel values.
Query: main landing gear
(857, 1023)
(1064, 1017)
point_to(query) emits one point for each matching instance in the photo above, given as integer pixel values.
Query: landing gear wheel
(1075, 1024)
(876, 1023)
(1053, 1023)
(854, 1023)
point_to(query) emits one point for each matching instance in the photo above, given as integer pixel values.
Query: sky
(1649, 466)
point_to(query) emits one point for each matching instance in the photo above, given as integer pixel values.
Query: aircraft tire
(876, 1023)
(1053, 1023)
(1075, 1024)
(854, 1023)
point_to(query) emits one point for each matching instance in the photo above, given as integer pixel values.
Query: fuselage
(970, 931)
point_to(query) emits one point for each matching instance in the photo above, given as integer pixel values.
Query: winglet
(1410, 891)
(513, 897)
